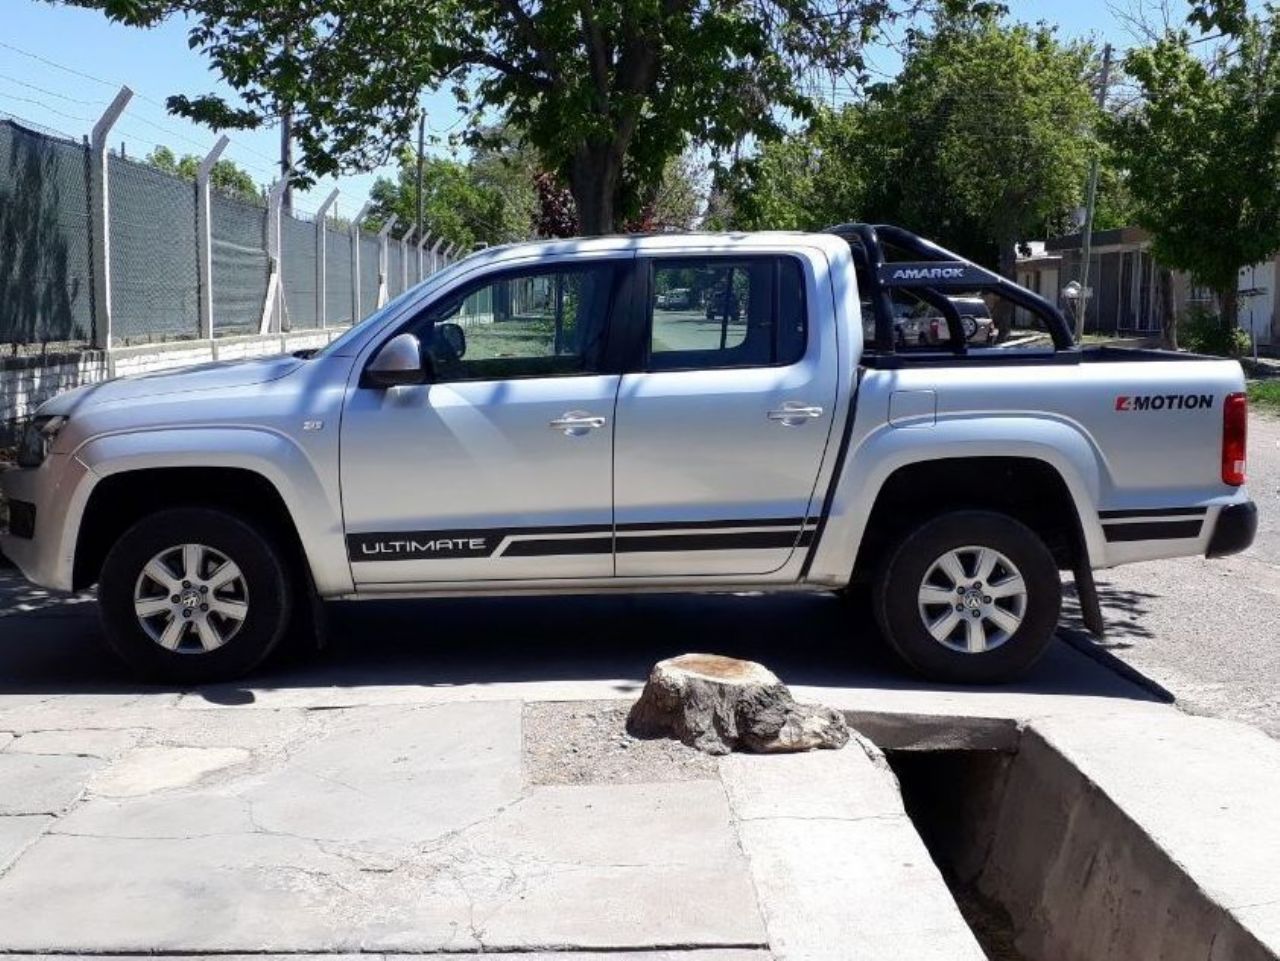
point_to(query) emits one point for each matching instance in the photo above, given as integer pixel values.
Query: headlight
(38, 439)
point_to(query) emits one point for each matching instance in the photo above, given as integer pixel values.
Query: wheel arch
(1036, 450)
(256, 474)
(1028, 489)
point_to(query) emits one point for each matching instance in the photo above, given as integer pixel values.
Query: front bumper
(54, 496)
(1234, 531)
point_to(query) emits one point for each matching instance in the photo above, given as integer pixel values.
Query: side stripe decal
(1155, 512)
(1153, 530)
(581, 539)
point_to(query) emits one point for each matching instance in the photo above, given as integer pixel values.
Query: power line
(41, 103)
(53, 93)
(116, 86)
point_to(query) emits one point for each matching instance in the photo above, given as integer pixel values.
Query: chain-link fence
(46, 288)
(298, 270)
(264, 269)
(155, 289)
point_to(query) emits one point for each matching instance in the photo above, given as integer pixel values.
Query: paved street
(1209, 631)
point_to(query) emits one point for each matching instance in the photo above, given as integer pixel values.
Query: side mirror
(453, 337)
(398, 363)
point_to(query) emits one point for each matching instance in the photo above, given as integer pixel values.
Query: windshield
(339, 344)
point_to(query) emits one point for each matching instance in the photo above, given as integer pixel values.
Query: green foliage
(488, 200)
(1202, 151)
(606, 92)
(1202, 332)
(984, 139)
(225, 177)
(1265, 394)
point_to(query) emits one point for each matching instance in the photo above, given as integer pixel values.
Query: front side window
(527, 324)
(726, 312)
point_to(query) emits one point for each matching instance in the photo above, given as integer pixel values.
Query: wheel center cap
(190, 597)
(973, 600)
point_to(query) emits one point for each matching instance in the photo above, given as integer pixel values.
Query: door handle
(576, 423)
(793, 414)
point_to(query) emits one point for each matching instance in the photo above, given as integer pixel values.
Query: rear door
(720, 436)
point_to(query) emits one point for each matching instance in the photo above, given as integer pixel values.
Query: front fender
(876, 455)
(313, 504)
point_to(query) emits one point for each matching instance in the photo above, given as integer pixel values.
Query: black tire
(270, 596)
(898, 586)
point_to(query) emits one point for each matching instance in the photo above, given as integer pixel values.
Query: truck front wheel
(970, 597)
(193, 595)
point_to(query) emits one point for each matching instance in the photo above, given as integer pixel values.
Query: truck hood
(224, 375)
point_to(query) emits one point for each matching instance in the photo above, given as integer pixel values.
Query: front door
(719, 438)
(502, 467)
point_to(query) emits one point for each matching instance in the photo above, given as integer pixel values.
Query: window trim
(647, 266)
(606, 360)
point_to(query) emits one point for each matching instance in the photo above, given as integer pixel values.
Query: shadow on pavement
(52, 644)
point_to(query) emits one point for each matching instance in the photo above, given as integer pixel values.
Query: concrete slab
(16, 832)
(33, 784)
(91, 743)
(658, 864)
(838, 866)
(376, 829)
(5, 740)
(164, 768)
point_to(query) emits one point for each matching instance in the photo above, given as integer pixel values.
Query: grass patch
(1265, 395)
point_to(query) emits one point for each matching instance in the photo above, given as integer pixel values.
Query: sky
(60, 66)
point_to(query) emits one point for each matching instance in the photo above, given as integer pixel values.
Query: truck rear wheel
(193, 595)
(970, 597)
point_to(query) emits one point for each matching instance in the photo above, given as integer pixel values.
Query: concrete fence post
(321, 273)
(204, 235)
(384, 259)
(273, 303)
(422, 242)
(404, 261)
(436, 256)
(356, 221)
(100, 217)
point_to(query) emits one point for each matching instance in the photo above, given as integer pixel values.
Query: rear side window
(715, 312)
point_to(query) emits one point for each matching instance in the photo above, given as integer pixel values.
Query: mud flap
(1087, 595)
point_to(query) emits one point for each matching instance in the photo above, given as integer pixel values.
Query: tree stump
(719, 704)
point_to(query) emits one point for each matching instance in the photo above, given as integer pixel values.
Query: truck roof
(692, 240)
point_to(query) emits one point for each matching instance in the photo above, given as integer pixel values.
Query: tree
(1201, 149)
(995, 125)
(981, 142)
(820, 176)
(225, 177)
(464, 203)
(606, 91)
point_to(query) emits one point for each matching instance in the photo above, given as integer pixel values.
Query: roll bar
(936, 271)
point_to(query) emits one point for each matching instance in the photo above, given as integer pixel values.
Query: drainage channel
(949, 796)
(1042, 863)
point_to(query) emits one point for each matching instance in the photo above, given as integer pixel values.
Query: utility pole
(1091, 200)
(286, 157)
(422, 136)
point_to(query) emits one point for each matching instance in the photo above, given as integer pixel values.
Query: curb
(1090, 648)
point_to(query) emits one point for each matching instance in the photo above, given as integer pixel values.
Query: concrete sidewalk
(414, 829)
(385, 799)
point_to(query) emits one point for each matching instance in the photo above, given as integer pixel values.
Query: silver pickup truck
(589, 416)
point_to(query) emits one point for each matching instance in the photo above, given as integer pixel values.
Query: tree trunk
(1008, 266)
(1228, 304)
(1168, 319)
(593, 181)
(717, 704)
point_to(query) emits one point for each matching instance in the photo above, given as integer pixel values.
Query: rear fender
(1057, 443)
